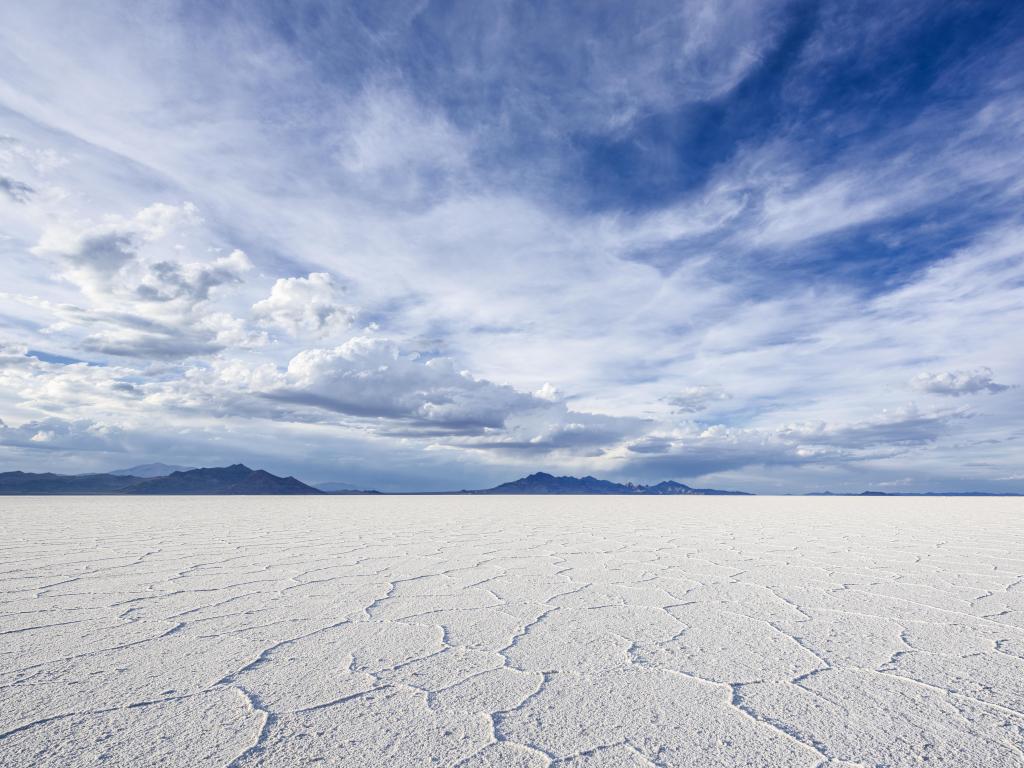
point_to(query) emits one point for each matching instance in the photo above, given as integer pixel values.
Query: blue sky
(769, 246)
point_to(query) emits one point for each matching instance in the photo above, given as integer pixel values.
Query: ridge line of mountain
(233, 480)
(239, 479)
(544, 483)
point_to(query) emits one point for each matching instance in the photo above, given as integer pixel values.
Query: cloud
(696, 398)
(104, 259)
(168, 280)
(304, 305)
(395, 395)
(17, 191)
(957, 383)
(370, 377)
(145, 300)
(398, 149)
(13, 354)
(68, 388)
(54, 434)
(698, 200)
(166, 345)
(549, 391)
(900, 427)
(694, 449)
(556, 431)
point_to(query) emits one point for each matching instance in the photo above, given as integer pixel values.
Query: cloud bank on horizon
(774, 246)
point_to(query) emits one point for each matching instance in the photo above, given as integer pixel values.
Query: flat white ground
(484, 631)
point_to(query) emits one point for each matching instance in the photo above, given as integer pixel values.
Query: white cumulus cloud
(371, 377)
(302, 305)
(956, 383)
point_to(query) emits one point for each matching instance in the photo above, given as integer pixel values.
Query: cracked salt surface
(511, 631)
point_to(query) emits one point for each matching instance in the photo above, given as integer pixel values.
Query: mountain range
(543, 483)
(237, 479)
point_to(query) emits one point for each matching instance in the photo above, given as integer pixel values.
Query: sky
(766, 246)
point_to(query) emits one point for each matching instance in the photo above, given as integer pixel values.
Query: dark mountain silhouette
(237, 479)
(543, 483)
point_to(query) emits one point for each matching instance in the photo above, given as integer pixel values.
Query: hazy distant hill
(237, 479)
(543, 483)
(150, 470)
(921, 493)
(335, 486)
(672, 488)
(339, 487)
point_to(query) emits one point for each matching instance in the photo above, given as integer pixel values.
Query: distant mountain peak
(236, 479)
(545, 483)
(156, 469)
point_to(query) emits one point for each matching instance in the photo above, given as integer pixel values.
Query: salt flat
(512, 631)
